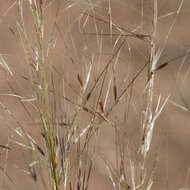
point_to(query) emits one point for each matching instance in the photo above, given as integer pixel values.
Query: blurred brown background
(70, 56)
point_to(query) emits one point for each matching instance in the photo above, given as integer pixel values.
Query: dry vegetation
(94, 94)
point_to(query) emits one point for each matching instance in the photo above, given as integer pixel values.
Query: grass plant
(89, 79)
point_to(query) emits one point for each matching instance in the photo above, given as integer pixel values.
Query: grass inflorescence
(87, 95)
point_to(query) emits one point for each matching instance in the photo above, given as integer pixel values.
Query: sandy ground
(171, 135)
